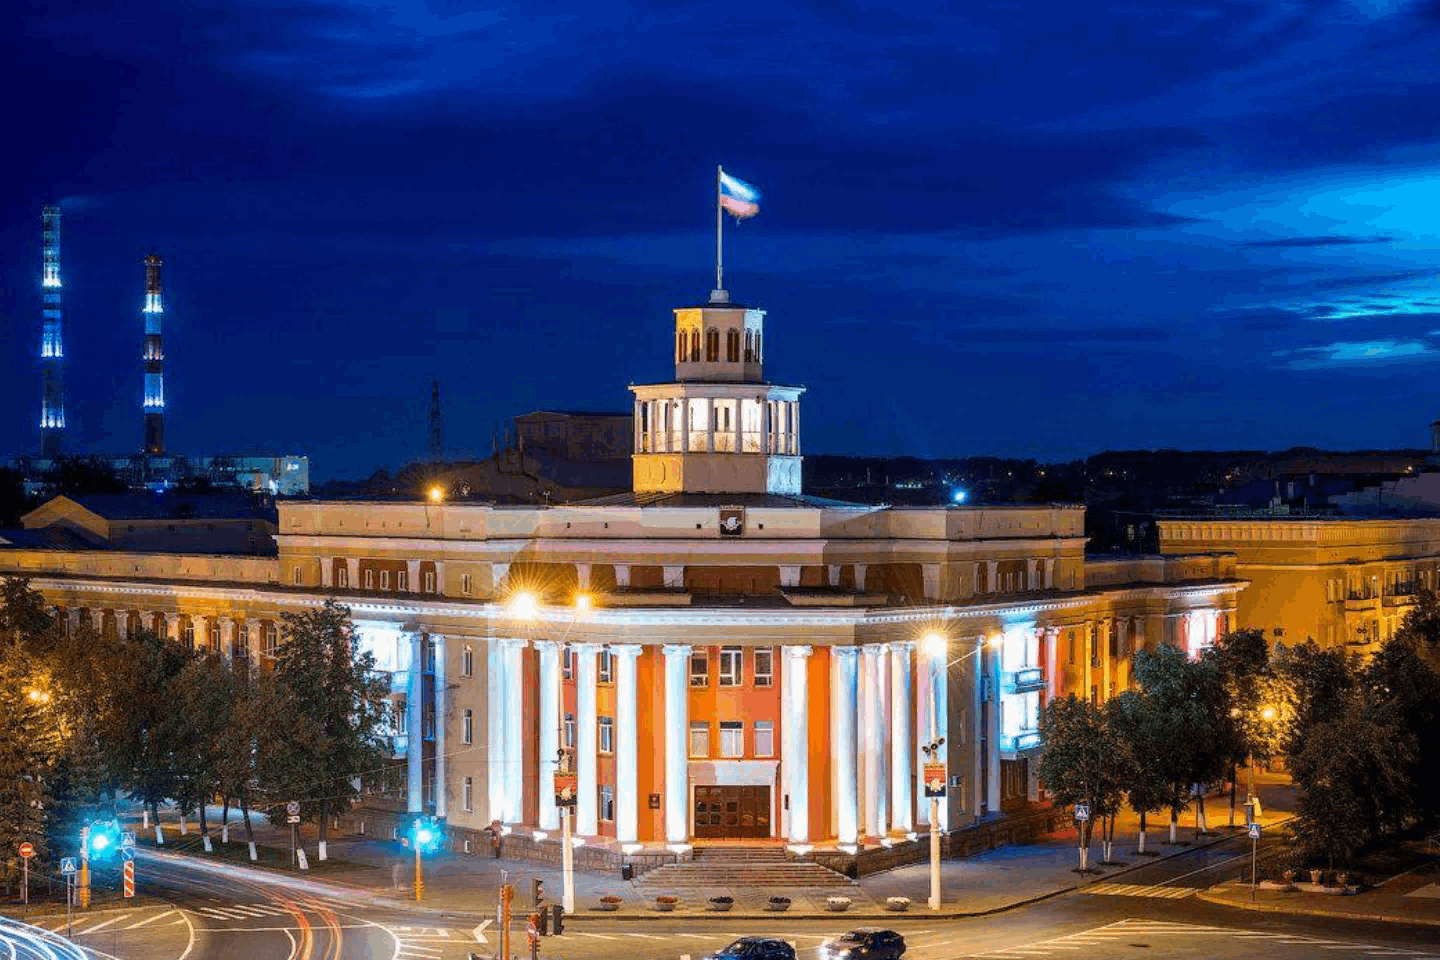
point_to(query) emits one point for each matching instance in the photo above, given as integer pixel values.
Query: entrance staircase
(735, 866)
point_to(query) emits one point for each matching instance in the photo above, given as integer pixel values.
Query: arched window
(712, 345)
(749, 349)
(695, 345)
(732, 346)
(680, 347)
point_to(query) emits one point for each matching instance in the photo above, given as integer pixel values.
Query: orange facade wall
(818, 741)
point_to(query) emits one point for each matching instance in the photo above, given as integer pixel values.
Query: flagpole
(719, 235)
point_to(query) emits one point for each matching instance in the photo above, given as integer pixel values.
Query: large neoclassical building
(718, 655)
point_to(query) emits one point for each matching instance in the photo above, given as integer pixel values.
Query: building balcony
(1021, 742)
(1400, 601)
(1026, 680)
(1359, 603)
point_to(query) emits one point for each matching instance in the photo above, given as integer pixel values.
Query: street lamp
(425, 834)
(436, 494)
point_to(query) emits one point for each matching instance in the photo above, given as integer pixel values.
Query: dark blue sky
(1037, 229)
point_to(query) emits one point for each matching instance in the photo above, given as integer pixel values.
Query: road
(217, 914)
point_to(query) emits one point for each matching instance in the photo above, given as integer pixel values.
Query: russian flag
(739, 198)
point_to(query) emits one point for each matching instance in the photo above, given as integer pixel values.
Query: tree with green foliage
(202, 702)
(28, 744)
(1141, 731)
(333, 703)
(1242, 659)
(25, 622)
(1083, 763)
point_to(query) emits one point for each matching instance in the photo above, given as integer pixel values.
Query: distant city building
(284, 476)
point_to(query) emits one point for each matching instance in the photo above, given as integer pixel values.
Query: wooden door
(732, 812)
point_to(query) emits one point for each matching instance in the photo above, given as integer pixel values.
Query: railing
(1027, 680)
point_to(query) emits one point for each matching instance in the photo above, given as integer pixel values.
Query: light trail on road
(26, 942)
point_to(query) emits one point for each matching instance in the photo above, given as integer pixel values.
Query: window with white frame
(269, 640)
(465, 584)
(296, 576)
(606, 672)
(764, 667)
(467, 794)
(567, 663)
(570, 730)
(342, 576)
(384, 579)
(732, 666)
(700, 669)
(189, 634)
(429, 581)
(764, 738)
(467, 726)
(398, 717)
(369, 579)
(607, 803)
(732, 738)
(607, 734)
(428, 719)
(467, 661)
(699, 738)
(402, 580)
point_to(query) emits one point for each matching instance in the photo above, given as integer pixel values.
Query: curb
(649, 915)
(1209, 897)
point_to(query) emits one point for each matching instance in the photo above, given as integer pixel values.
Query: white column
(496, 715)
(582, 576)
(874, 739)
(515, 729)
(227, 636)
(202, 631)
(415, 721)
(677, 747)
(930, 573)
(98, 616)
(635, 436)
(860, 578)
(327, 572)
(767, 421)
(1049, 573)
(1106, 625)
(795, 740)
(977, 772)
(1088, 633)
(627, 750)
(412, 576)
(440, 577)
(939, 704)
(122, 624)
(991, 659)
(586, 741)
(710, 424)
(924, 731)
(549, 724)
(352, 572)
(440, 705)
(843, 707)
(1052, 663)
(683, 409)
(795, 424)
(901, 743)
(622, 574)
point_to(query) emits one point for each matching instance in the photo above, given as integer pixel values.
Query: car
(756, 948)
(866, 943)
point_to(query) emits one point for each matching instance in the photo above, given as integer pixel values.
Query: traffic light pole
(419, 880)
(84, 885)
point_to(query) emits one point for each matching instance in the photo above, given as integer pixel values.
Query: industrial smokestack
(52, 341)
(154, 313)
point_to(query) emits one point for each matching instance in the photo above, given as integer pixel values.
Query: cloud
(1301, 242)
(1361, 352)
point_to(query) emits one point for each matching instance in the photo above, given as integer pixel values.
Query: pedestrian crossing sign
(1254, 831)
(1082, 812)
(67, 865)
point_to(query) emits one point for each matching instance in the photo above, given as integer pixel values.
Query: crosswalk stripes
(1140, 890)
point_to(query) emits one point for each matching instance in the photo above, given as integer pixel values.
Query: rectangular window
(467, 661)
(467, 726)
(570, 730)
(732, 738)
(764, 667)
(342, 576)
(1070, 634)
(430, 789)
(242, 639)
(732, 669)
(270, 640)
(699, 738)
(465, 584)
(369, 579)
(402, 580)
(398, 718)
(606, 674)
(295, 576)
(699, 669)
(567, 664)
(764, 738)
(215, 636)
(467, 794)
(607, 803)
(384, 579)
(607, 735)
(190, 634)
(429, 581)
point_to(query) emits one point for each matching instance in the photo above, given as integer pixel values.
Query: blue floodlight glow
(959, 496)
(100, 841)
(423, 836)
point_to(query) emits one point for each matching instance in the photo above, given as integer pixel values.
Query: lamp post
(935, 646)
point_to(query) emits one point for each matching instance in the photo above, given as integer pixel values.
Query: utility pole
(934, 778)
(84, 885)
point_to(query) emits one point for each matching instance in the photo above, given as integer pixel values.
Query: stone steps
(764, 875)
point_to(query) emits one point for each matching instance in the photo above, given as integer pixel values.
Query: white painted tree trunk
(304, 862)
(322, 850)
(253, 854)
(159, 835)
(224, 833)
(1141, 848)
(1174, 822)
(184, 830)
(205, 839)
(145, 813)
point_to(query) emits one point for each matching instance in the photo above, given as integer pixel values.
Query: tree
(1242, 659)
(335, 703)
(202, 701)
(25, 622)
(1082, 762)
(27, 751)
(1398, 685)
(1190, 719)
(1141, 732)
(1316, 686)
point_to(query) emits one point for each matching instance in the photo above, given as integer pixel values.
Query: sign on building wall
(934, 779)
(566, 785)
(732, 521)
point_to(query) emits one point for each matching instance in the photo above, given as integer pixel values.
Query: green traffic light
(423, 836)
(100, 841)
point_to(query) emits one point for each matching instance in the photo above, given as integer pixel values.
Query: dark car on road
(756, 948)
(866, 943)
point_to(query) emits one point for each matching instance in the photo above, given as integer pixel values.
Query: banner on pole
(934, 775)
(566, 789)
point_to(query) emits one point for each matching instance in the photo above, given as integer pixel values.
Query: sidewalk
(997, 880)
(1412, 897)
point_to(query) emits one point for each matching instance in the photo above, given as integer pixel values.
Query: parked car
(866, 943)
(756, 948)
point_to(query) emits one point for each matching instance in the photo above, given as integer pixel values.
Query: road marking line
(647, 936)
(702, 936)
(597, 936)
(150, 919)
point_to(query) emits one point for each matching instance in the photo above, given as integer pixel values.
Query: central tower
(719, 428)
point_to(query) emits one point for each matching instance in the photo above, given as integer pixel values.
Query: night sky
(1031, 229)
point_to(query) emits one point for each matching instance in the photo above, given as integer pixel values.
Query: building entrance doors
(732, 812)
